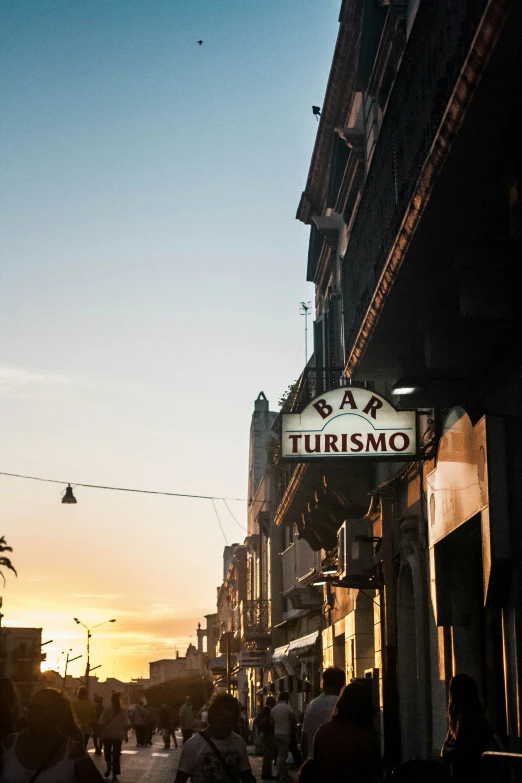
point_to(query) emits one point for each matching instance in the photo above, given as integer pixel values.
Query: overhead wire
(121, 489)
(233, 517)
(219, 521)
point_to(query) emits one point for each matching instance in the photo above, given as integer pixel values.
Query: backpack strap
(46, 761)
(217, 753)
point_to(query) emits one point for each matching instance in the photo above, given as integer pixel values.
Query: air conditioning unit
(355, 551)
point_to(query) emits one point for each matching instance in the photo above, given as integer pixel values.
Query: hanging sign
(349, 422)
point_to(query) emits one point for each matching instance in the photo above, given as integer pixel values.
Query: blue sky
(151, 274)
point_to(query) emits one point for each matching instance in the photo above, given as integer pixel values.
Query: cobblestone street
(156, 765)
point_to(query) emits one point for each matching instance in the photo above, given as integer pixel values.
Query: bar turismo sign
(349, 422)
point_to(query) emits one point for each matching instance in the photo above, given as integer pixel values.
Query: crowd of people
(339, 742)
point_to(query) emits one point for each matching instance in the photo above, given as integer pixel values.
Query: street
(154, 764)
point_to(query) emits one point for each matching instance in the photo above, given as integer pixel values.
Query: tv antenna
(304, 309)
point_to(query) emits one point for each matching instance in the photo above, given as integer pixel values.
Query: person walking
(284, 724)
(174, 713)
(265, 728)
(139, 724)
(114, 724)
(96, 738)
(347, 746)
(321, 708)
(218, 754)
(41, 751)
(165, 724)
(85, 713)
(469, 733)
(187, 719)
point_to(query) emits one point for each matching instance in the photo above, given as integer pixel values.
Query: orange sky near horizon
(157, 580)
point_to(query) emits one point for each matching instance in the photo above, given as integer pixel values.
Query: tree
(5, 562)
(173, 692)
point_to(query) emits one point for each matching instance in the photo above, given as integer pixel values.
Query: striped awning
(289, 683)
(303, 644)
(279, 653)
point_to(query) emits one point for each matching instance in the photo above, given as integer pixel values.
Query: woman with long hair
(469, 733)
(43, 751)
(114, 725)
(346, 748)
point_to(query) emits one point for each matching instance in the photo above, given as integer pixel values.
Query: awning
(289, 683)
(303, 644)
(279, 653)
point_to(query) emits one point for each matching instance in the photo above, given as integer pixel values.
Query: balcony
(300, 564)
(420, 120)
(255, 621)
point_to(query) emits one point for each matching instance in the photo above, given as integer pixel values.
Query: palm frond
(5, 562)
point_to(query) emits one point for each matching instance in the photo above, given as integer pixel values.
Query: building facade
(21, 657)
(413, 204)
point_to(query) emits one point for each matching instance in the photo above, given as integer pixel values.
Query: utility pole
(88, 669)
(67, 662)
(304, 309)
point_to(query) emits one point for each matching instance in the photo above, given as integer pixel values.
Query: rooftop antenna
(304, 309)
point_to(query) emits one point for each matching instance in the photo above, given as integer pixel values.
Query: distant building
(193, 662)
(20, 658)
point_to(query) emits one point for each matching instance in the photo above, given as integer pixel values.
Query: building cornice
(470, 76)
(334, 109)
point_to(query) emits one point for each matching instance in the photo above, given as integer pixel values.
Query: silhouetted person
(321, 708)
(283, 721)
(187, 719)
(85, 713)
(98, 743)
(8, 692)
(165, 724)
(114, 724)
(139, 723)
(218, 753)
(265, 728)
(469, 733)
(42, 751)
(347, 746)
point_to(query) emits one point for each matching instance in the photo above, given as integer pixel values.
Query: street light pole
(89, 634)
(67, 662)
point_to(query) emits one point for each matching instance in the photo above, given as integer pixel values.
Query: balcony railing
(439, 42)
(255, 619)
(312, 382)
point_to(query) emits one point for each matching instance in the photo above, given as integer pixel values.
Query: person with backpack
(218, 753)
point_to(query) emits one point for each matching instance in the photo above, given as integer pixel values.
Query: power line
(218, 519)
(121, 489)
(233, 517)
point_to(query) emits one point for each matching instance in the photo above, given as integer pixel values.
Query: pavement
(157, 765)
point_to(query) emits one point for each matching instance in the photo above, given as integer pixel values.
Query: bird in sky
(200, 42)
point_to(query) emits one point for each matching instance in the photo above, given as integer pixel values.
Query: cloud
(19, 380)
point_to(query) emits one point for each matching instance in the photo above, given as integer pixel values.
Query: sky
(150, 278)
